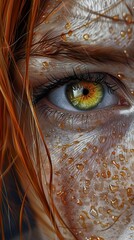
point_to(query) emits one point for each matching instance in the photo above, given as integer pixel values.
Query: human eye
(80, 96)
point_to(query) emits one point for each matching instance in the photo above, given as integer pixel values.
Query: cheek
(93, 178)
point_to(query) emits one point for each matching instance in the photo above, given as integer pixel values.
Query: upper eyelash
(43, 90)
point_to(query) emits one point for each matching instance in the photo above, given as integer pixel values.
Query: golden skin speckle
(92, 166)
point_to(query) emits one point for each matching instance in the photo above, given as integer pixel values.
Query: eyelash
(43, 90)
(79, 121)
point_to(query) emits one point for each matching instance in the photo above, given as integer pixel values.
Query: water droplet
(129, 192)
(96, 238)
(102, 139)
(80, 167)
(115, 218)
(86, 36)
(93, 212)
(70, 160)
(128, 19)
(114, 203)
(129, 32)
(79, 202)
(70, 33)
(103, 174)
(113, 188)
(63, 36)
(115, 177)
(123, 34)
(116, 164)
(120, 76)
(132, 228)
(121, 157)
(45, 64)
(68, 25)
(116, 17)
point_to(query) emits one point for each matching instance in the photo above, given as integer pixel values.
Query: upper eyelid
(42, 90)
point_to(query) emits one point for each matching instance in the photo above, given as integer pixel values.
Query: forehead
(90, 21)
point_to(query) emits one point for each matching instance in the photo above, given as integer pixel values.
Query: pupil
(85, 91)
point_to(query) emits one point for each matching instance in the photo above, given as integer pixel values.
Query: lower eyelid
(84, 121)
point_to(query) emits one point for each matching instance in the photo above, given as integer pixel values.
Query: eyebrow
(86, 53)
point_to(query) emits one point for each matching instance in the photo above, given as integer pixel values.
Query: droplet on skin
(123, 34)
(116, 17)
(129, 32)
(70, 160)
(63, 36)
(120, 76)
(86, 36)
(132, 228)
(68, 25)
(114, 203)
(115, 177)
(70, 33)
(102, 139)
(121, 157)
(80, 167)
(128, 19)
(79, 202)
(96, 238)
(45, 64)
(129, 192)
(113, 188)
(93, 212)
(115, 218)
(116, 164)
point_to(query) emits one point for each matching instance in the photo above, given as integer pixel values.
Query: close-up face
(82, 85)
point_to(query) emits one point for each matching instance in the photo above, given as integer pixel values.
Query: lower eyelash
(78, 121)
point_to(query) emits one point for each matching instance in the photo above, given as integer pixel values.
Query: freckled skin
(93, 180)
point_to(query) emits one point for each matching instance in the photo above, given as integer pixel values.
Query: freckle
(113, 188)
(86, 37)
(80, 167)
(45, 64)
(68, 25)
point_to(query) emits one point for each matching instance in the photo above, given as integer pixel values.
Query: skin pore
(92, 151)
